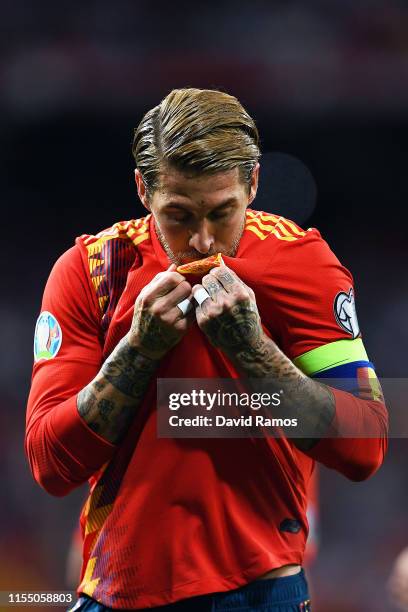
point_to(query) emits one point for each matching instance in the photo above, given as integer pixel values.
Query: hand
(229, 317)
(158, 324)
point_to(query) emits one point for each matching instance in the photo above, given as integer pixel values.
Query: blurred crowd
(307, 56)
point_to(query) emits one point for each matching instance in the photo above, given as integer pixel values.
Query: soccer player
(196, 524)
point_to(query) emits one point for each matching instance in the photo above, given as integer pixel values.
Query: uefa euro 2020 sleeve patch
(47, 337)
(345, 312)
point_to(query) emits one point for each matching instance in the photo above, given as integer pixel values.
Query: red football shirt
(168, 519)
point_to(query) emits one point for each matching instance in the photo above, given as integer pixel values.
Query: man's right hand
(158, 324)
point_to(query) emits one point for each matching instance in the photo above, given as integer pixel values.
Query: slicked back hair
(196, 131)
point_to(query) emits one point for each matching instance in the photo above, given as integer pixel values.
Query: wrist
(138, 350)
(256, 358)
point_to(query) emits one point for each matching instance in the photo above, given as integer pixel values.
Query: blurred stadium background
(327, 82)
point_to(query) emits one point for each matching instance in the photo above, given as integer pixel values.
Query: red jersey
(168, 519)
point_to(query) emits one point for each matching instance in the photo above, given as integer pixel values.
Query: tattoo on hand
(212, 288)
(235, 330)
(226, 278)
(154, 337)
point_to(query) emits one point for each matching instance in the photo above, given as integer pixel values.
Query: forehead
(208, 188)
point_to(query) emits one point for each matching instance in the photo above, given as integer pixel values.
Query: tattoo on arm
(239, 334)
(258, 357)
(128, 370)
(108, 404)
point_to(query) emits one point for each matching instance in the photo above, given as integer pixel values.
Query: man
(207, 523)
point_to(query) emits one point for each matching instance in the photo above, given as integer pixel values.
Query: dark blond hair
(196, 131)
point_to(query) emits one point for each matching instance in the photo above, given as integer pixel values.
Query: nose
(202, 239)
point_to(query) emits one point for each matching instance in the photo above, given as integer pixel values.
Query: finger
(172, 267)
(200, 317)
(227, 278)
(185, 306)
(231, 283)
(182, 325)
(163, 283)
(212, 286)
(174, 315)
(165, 303)
(180, 293)
(200, 294)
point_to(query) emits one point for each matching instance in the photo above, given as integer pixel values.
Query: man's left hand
(229, 316)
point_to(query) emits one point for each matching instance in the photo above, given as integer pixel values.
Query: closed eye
(183, 216)
(179, 218)
(219, 214)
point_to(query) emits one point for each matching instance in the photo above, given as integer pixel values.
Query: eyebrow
(185, 207)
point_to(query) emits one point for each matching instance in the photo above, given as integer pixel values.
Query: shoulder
(92, 251)
(284, 240)
(304, 293)
(296, 265)
(132, 232)
(108, 256)
(274, 227)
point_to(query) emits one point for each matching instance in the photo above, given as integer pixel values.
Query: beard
(181, 257)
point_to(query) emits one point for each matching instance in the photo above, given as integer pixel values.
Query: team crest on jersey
(345, 312)
(47, 337)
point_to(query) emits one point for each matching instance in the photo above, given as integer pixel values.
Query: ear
(141, 189)
(254, 184)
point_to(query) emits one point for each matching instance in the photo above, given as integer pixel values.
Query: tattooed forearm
(307, 400)
(108, 404)
(128, 370)
(231, 322)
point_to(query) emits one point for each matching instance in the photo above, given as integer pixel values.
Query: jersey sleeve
(313, 308)
(63, 452)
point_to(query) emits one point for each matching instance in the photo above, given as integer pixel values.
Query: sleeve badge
(345, 312)
(47, 337)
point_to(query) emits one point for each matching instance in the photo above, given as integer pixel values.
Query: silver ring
(185, 306)
(201, 295)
